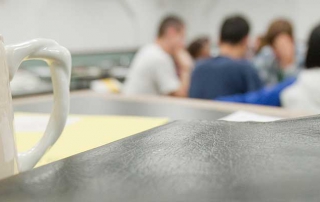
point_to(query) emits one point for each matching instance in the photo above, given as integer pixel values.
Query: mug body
(8, 154)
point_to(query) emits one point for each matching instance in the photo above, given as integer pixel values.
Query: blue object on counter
(269, 96)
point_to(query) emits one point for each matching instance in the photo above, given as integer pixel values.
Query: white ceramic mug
(59, 60)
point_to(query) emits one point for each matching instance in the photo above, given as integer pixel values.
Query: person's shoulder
(230, 63)
(218, 64)
(154, 53)
(143, 51)
(203, 64)
(246, 64)
(246, 67)
(227, 62)
(149, 49)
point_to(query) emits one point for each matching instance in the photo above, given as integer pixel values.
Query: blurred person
(304, 94)
(200, 48)
(229, 73)
(282, 57)
(163, 67)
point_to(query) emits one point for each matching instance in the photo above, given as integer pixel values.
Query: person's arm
(184, 65)
(264, 62)
(269, 96)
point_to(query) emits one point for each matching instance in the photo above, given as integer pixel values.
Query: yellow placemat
(81, 133)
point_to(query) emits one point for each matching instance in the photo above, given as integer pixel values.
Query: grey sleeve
(265, 64)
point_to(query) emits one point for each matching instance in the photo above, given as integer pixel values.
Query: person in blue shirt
(229, 73)
(298, 93)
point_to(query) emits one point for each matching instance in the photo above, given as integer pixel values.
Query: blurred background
(104, 35)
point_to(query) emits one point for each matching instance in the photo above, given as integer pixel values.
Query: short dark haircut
(313, 53)
(234, 29)
(197, 45)
(170, 21)
(277, 27)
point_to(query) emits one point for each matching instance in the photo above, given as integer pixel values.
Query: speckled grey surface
(186, 161)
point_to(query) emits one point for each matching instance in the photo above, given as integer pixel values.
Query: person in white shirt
(163, 67)
(304, 94)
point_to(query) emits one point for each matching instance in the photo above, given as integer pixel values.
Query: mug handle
(59, 60)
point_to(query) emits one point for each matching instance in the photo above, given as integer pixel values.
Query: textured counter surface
(186, 161)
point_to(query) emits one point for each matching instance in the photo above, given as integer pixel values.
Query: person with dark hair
(200, 48)
(281, 57)
(228, 73)
(163, 67)
(304, 94)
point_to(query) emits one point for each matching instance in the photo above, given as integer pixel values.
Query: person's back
(229, 73)
(223, 76)
(149, 73)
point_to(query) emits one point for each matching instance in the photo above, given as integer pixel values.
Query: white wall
(205, 16)
(90, 25)
(77, 24)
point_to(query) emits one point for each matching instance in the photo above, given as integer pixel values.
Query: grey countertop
(89, 103)
(100, 105)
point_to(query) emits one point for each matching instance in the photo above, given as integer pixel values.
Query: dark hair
(234, 29)
(277, 27)
(313, 53)
(197, 45)
(169, 21)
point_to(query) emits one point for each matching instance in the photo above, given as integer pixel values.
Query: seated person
(229, 73)
(200, 48)
(281, 57)
(304, 94)
(153, 70)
